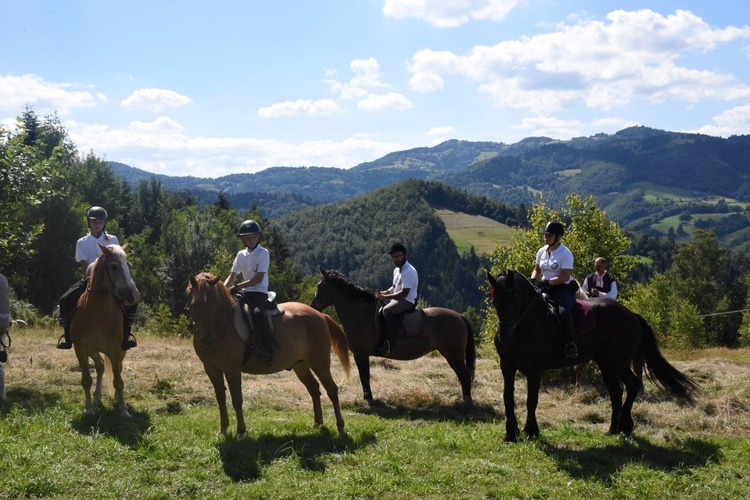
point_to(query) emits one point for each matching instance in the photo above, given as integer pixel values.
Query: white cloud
(18, 91)
(442, 131)
(449, 13)
(367, 76)
(549, 126)
(631, 55)
(734, 121)
(155, 100)
(321, 107)
(172, 151)
(390, 101)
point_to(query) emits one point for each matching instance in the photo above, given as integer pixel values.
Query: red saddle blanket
(583, 316)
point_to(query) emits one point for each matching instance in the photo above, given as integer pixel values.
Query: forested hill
(354, 236)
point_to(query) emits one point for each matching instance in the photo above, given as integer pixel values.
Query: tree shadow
(244, 457)
(28, 400)
(106, 421)
(457, 412)
(604, 463)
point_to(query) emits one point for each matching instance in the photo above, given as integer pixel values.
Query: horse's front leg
(533, 381)
(119, 385)
(234, 381)
(363, 367)
(511, 424)
(86, 381)
(216, 377)
(99, 369)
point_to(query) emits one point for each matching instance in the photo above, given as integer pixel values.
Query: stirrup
(127, 343)
(386, 347)
(571, 350)
(64, 343)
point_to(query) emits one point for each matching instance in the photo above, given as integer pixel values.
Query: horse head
(208, 299)
(113, 266)
(511, 295)
(322, 297)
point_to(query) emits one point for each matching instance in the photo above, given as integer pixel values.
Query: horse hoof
(342, 433)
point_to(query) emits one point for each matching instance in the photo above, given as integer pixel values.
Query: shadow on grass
(458, 412)
(28, 400)
(603, 463)
(244, 457)
(106, 421)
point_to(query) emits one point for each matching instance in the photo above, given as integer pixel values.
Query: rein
(519, 319)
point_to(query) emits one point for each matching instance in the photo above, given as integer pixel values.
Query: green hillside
(474, 231)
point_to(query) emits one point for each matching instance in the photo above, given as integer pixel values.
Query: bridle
(517, 319)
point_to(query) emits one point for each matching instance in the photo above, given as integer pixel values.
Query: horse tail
(109, 372)
(660, 372)
(471, 348)
(340, 343)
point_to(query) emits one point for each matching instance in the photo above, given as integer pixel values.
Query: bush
(158, 320)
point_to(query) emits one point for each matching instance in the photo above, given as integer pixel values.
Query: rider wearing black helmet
(552, 272)
(253, 262)
(399, 298)
(87, 251)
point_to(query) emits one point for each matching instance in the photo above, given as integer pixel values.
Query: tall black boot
(128, 339)
(569, 328)
(264, 347)
(385, 347)
(64, 341)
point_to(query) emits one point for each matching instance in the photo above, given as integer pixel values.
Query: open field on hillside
(417, 441)
(655, 192)
(689, 226)
(482, 233)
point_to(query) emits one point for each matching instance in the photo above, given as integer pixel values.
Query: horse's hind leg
(99, 368)
(615, 398)
(458, 363)
(86, 381)
(633, 384)
(324, 374)
(305, 376)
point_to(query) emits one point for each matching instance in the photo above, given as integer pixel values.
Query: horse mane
(221, 290)
(339, 279)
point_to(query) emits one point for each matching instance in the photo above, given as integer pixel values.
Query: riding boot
(385, 347)
(264, 349)
(64, 341)
(569, 328)
(392, 331)
(128, 339)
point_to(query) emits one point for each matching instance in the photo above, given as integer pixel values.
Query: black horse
(528, 340)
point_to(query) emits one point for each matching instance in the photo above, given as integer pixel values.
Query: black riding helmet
(249, 227)
(96, 213)
(554, 227)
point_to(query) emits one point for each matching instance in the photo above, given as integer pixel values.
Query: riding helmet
(554, 227)
(249, 227)
(397, 247)
(97, 213)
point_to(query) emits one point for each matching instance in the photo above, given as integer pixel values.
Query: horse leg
(234, 381)
(458, 363)
(119, 384)
(633, 384)
(83, 363)
(99, 368)
(324, 374)
(533, 381)
(511, 424)
(313, 388)
(363, 367)
(217, 380)
(615, 398)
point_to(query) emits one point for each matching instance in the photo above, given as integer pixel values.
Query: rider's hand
(234, 290)
(545, 285)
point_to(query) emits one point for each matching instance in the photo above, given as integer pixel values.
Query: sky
(215, 88)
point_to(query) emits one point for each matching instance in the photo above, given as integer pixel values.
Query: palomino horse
(529, 342)
(443, 330)
(303, 340)
(97, 325)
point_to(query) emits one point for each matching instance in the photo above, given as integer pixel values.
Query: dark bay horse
(97, 326)
(528, 341)
(443, 330)
(303, 341)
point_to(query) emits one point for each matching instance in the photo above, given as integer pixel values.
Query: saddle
(243, 317)
(583, 316)
(407, 323)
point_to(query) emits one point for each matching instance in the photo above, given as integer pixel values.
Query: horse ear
(511, 276)
(490, 278)
(104, 248)
(323, 273)
(192, 280)
(125, 246)
(215, 280)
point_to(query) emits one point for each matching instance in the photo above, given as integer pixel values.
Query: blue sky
(214, 88)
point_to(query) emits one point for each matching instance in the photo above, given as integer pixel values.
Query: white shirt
(552, 263)
(406, 277)
(87, 248)
(248, 263)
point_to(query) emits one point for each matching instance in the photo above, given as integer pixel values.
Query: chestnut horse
(97, 326)
(303, 341)
(443, 330)
(527, 340)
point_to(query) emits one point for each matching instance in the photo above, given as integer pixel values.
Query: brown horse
(97, 325)
(528, 341)
(303, 340)
(443, 330)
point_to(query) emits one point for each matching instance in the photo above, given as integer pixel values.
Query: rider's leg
(128, 339)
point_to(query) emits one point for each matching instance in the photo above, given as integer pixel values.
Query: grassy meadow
(468, 231)
(417, 441)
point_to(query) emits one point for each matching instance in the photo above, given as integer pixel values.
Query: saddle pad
(412, 324)
(239, 323)
(583, 316)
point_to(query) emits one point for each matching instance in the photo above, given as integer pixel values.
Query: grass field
(468, 231)
(417, 441)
